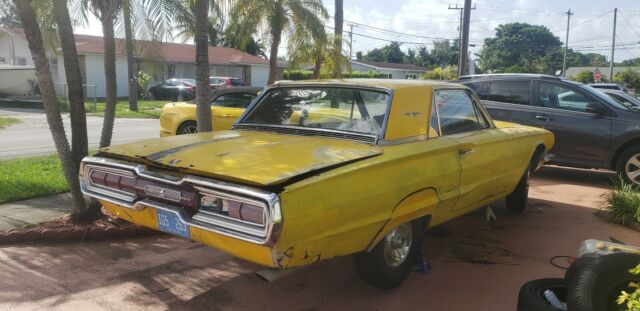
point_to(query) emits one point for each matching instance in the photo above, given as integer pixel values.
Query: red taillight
(246, 212)
(115, 181)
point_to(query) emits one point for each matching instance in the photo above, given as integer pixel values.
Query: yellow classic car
(227, 104)
(319, 169)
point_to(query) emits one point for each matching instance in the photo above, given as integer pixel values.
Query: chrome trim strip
(310, 129)
(268, 199)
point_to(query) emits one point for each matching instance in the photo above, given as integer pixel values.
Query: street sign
(597, 76)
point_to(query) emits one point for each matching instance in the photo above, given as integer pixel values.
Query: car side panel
(224, 117)
(343, 210)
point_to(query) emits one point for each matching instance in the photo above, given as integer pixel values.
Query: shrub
(308, 74)
(631, 300)
(143, 80)
(622, 203)
(441, 73)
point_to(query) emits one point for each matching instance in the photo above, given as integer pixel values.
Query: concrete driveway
(32, 136)
(476, 266)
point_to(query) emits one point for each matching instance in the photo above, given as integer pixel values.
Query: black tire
(598, 287)
(621, 165)
(187, 127)
(531, 296)
(517, 200)
(580, 264)
(374, 269)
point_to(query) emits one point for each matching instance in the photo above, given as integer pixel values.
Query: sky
(419, 22)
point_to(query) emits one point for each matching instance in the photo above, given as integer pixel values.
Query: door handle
(543, 117)
(463, 151)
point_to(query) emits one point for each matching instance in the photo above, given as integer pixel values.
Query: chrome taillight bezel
(236, 228)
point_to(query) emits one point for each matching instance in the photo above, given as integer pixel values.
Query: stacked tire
(592, 283)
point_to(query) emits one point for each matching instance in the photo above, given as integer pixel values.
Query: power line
(627, 21)
(587, 21)
(395, 32)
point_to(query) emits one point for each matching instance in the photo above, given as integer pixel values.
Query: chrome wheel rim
(397, 245)
(632, 168)
(189, 129)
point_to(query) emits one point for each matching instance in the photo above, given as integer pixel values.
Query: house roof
(167, 51)
(394, 66)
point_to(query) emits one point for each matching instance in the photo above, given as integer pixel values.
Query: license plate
(170, 223)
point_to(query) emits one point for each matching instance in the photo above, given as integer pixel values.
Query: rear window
(512, 92)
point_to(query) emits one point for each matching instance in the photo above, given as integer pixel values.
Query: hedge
(308, 74)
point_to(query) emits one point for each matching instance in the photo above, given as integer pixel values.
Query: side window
(456, 111)
(562, 97)
(512, 92)
(240, 100)
(481, 89)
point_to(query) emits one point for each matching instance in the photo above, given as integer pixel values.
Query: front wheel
(628, 165)
(188, 127)
(393, 258)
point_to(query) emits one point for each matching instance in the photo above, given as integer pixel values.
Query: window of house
(171, 71)
(456, 112)
(2, 60)
(53, 65)
(512, 92)
(21, 61)
(411, 76)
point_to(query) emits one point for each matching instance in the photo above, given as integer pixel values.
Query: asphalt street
(32, 136)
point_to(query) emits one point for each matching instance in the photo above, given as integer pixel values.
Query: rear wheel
(628, 165)
(187, 127)
(391, 261)
(517, 200)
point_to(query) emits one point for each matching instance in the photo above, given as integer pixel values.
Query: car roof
(390, 84)
(508, 76)
(603, 84)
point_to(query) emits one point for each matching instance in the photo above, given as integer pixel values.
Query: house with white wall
(392, 70)
(162, 61)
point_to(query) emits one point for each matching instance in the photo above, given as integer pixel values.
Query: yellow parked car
(227, 104)
(319, 169)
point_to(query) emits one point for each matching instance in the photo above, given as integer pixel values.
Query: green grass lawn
(26, 178)
(6, 122)
(149, 109)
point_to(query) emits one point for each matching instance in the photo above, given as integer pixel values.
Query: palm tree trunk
(79, 143)
(131, 74)
(203, 108)
(339, 16)
(318, 66)
(276, 37)
(110, 75)
(49, 101)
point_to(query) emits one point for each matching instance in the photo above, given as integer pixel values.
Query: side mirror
(596, 108)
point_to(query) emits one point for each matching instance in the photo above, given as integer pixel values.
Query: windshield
(343, 109)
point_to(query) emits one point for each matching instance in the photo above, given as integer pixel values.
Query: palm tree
(203, 108)
(38, 53)
(185, 24)
(79, 142)
(294, 18)
(131, 72)
(327, 58)
(339, 20)
(105, 11)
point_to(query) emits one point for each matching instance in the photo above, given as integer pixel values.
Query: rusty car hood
(251, 157)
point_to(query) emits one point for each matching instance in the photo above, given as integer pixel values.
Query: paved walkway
(33, 211)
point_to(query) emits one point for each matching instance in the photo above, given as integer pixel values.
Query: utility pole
(566, 44)
(613, 44)
(350, 41)
(463, 43)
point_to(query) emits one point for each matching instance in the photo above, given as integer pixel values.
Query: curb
(73, 234)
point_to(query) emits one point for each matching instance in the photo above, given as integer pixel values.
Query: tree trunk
(276, 37)
(49, 101)
(339, 16)
(318, 66)
(79, 143)
(110, 75)
(131, 72)
(203, 108)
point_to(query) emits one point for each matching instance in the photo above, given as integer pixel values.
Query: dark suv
(591, 129)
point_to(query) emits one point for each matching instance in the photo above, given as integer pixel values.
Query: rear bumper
(147, 217)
